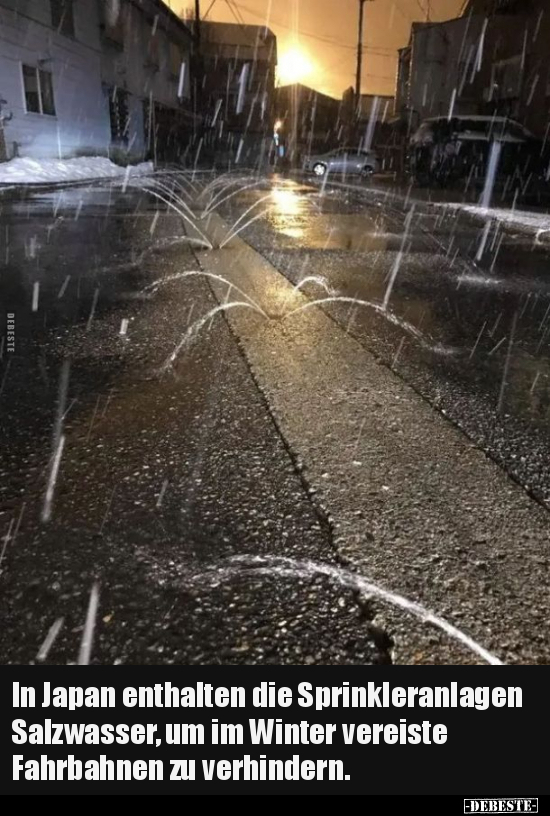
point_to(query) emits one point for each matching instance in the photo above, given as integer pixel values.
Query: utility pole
(198, 23)
(295, 99)
(359, 54)
(197, 72)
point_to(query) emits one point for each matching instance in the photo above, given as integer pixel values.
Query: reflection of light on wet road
(288, 206)
(288, 202)
(356, 233)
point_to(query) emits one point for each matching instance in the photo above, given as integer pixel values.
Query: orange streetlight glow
(294, 66)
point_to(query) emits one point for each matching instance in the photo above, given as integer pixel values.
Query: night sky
(327, 31)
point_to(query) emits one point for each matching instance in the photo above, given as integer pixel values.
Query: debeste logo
(10, 332)
(519, 805)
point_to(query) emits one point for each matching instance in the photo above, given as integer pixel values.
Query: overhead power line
(379, 50)
(209, 9)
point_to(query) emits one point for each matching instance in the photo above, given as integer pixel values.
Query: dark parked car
(443, 149)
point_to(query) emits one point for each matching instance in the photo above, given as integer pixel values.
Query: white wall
(81, 123)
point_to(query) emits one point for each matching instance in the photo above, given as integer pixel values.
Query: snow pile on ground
(55, 171)
(539, 222)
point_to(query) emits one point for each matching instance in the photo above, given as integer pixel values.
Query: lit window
(39, 96)
(63, 17)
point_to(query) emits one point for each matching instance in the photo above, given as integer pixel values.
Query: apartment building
(93, 77)
(309, 117)
(492, 60)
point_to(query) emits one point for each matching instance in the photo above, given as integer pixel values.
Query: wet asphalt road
(162, 478)
(475, 333)
(165, 478)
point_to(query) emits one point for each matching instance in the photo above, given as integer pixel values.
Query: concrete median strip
(415, 507)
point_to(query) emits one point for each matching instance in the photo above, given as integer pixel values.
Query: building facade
(493, 60)
(92, 77)
(308, 117)
(375, 108)
(237, 88)
(365, 124)
(516, 72)
(50, 79)
(439, 70)
(146, 77)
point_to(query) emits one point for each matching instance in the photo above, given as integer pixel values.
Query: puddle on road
(356, 233)
(294, 214)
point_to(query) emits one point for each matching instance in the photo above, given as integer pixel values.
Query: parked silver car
(345, 160)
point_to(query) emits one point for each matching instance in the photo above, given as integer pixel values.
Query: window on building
(175, 59)
(148, 122)
(39, 97)
(63, 16)
(507, 78)
(119, 115)
(153, 48)
(113, 21)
